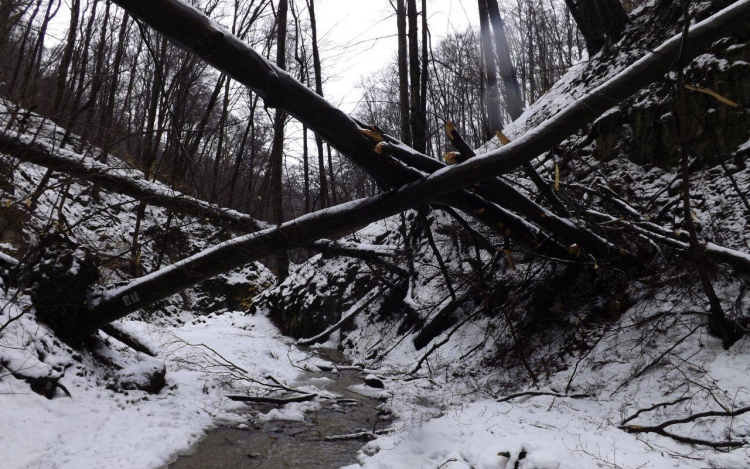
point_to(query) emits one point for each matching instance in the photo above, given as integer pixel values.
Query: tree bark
(718, 324)
(417, 124)
(325, 196)
(277, 147)
(601, 22)
(488, 52)
(403, 74)
(220, 145)
(281, 90)
(109, 108)
(513, 96)
(62, 70)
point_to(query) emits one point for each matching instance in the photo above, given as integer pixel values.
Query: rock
(374, 382)
(146, 376)
(233, 291)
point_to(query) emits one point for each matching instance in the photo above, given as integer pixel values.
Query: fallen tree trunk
(661, 429)
(121, 334)
(511, 197)
(272, 400)
(359, 435)
(304, 230)
(196, 33)
(133, 183)
(7, 265)
(7, 262)
(124, 181)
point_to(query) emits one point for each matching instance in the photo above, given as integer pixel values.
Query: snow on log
(195, 32)
(125, 181)
(359, 435)
(7, 262)
(740, 260)
(134, 184)
(272, 400)
(508, 196)
(120, 333)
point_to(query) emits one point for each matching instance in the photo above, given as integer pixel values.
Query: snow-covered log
(116, 331)
(509, 196)
(304, 230)
(134, 184)
(7, 262)
(272, 400)
(125, 181)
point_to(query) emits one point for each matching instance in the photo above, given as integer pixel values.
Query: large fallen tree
(133, 183)
(196, 32)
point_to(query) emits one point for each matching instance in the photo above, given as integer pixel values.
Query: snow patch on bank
(100, 427)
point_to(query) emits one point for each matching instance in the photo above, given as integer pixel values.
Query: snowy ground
(447, 421)
(98, 427)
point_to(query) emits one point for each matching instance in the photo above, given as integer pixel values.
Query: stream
(294, 444)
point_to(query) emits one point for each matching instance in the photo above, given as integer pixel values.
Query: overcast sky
(357, 37)
(368, 28)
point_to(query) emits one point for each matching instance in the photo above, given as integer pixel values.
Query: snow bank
(101, 427)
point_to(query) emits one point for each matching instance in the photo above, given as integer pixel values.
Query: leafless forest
(551, 201)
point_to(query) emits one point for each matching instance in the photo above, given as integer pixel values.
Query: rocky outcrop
(644, 129)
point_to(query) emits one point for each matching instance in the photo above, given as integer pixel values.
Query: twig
(273, 400)
(658, 359)
(359, 435)
(353, 311)
(542, 393)
(661, 429)
(654, 407)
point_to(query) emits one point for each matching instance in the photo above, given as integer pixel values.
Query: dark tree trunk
(305, 169)
(513, 96)
(601, 22)
(109, 107)
(148, 152)
(417, 125)
(220, 147)
(195, 141)
(488, 52)
(24, 42)
(325, 197)
(62, 70)
(403, 74)
(97, 80)
(240, 156)
(424, 76)
(277, 148)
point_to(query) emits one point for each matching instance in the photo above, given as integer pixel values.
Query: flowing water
(277, 444)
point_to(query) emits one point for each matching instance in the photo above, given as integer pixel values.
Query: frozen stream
(292, 444)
